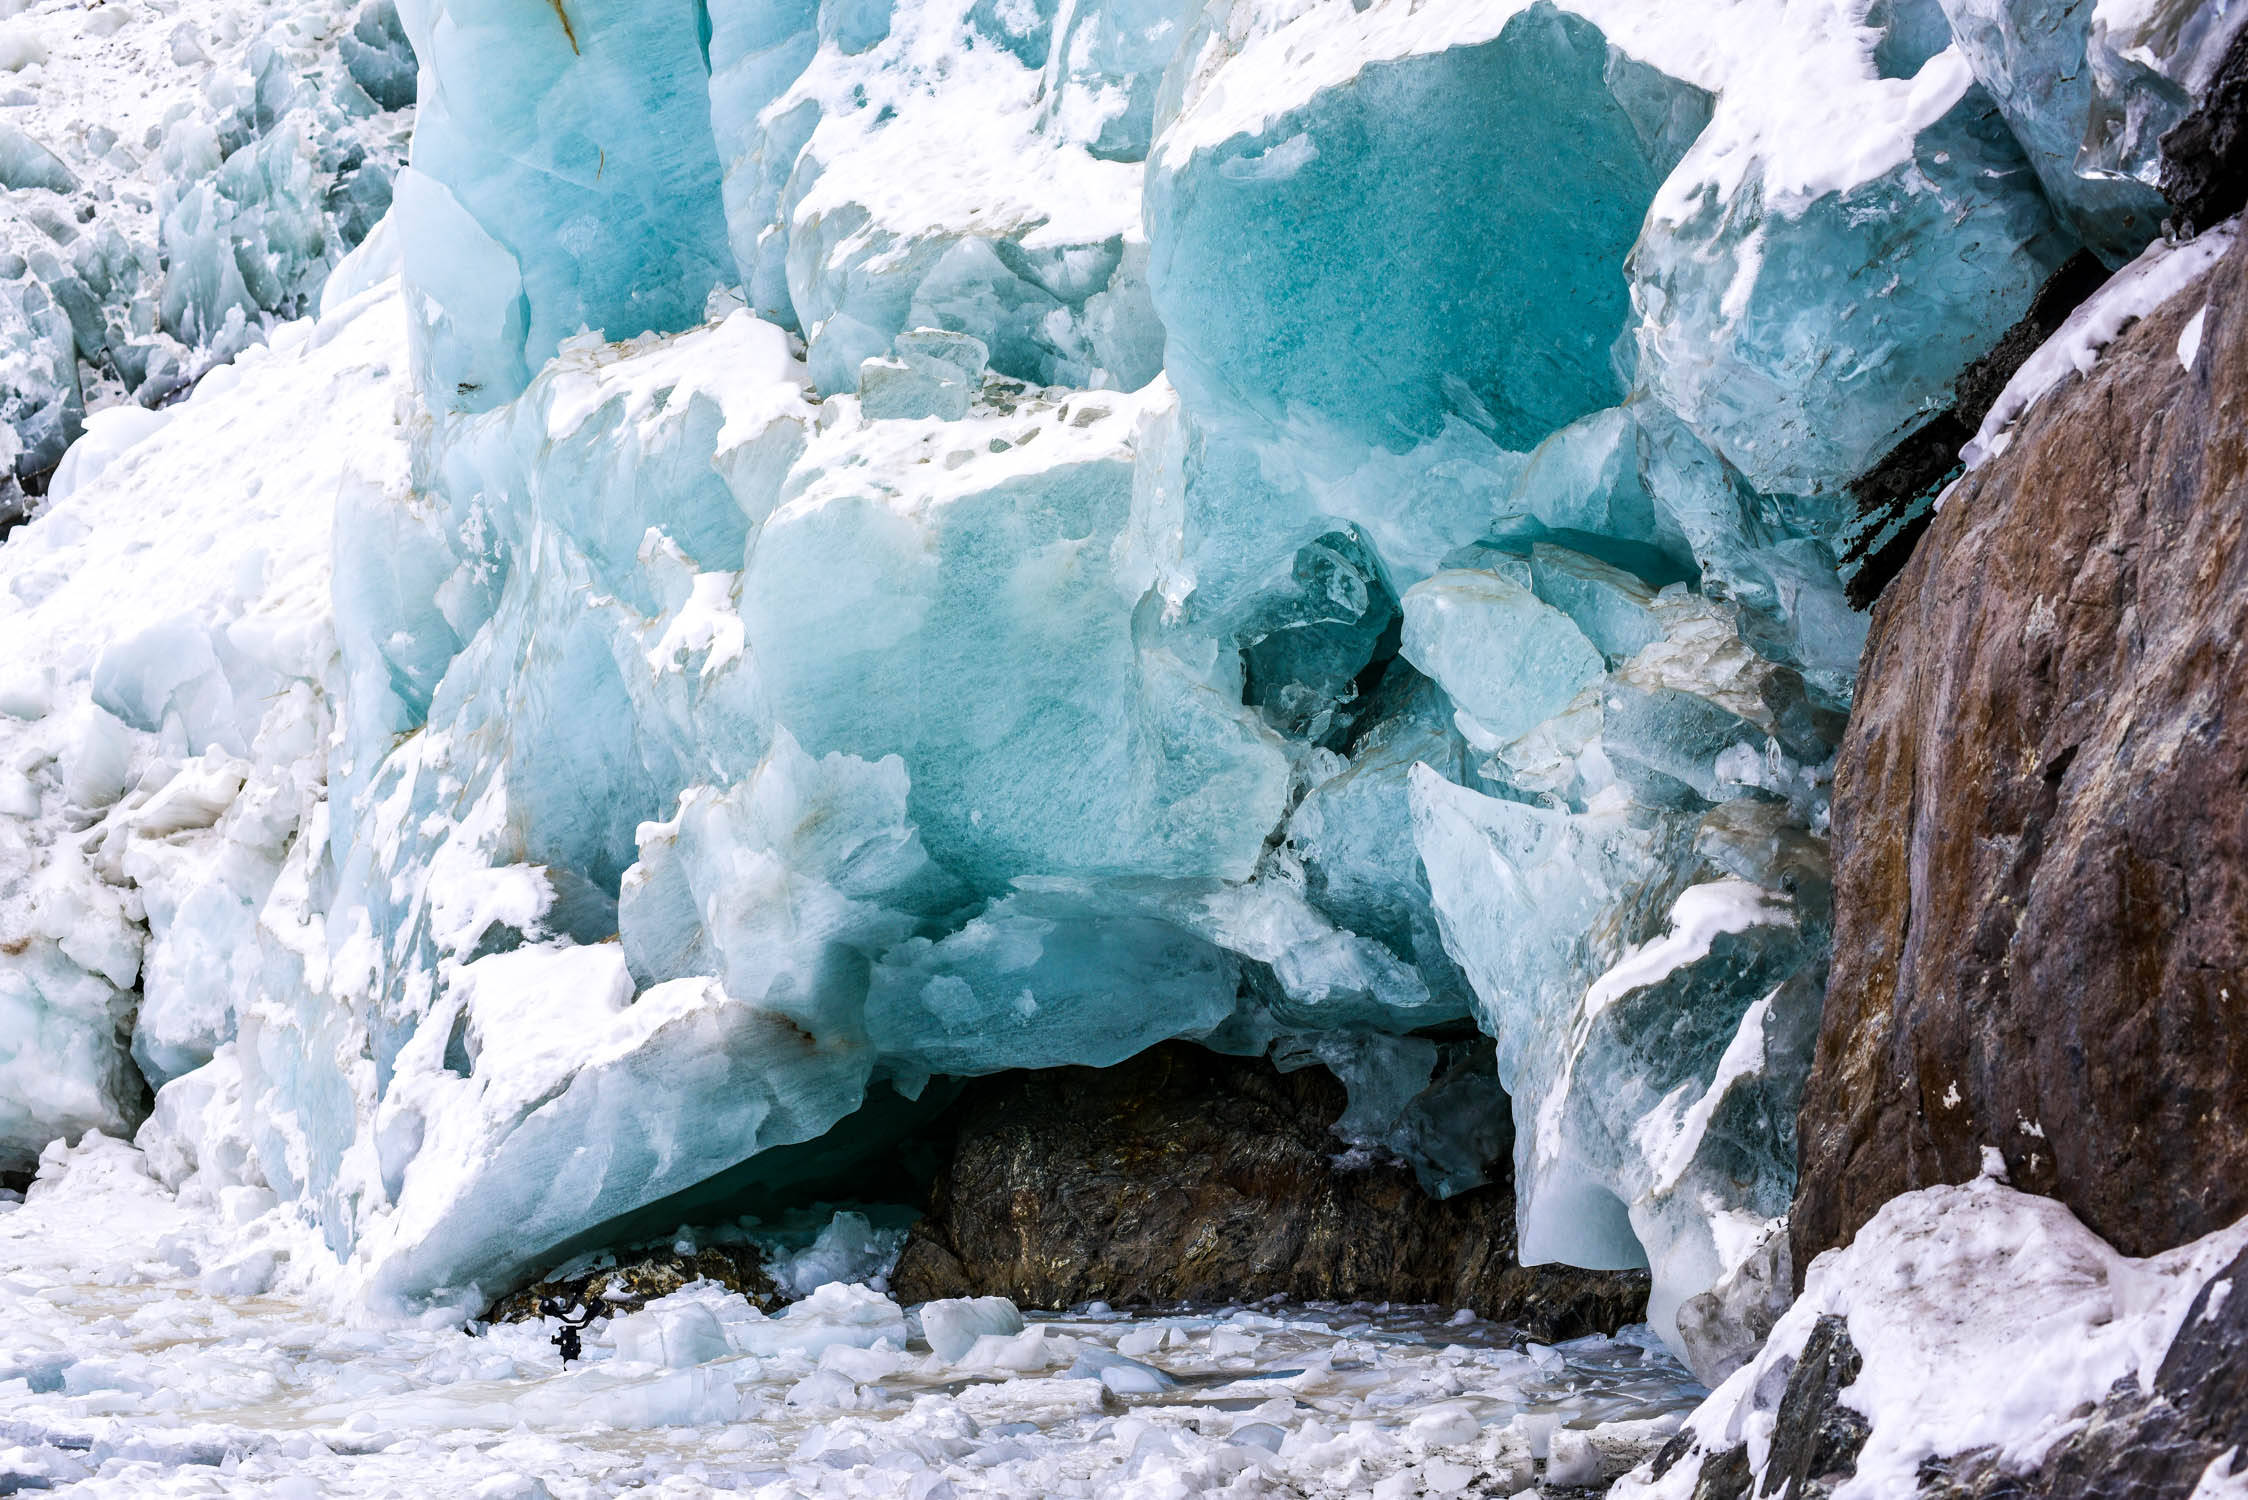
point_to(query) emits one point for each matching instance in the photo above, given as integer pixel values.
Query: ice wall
(958, 699)
(947, 537)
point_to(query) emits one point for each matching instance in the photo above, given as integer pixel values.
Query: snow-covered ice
(166, 711)
(824, 548)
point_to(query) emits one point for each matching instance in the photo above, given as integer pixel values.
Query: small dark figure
(567, 1340)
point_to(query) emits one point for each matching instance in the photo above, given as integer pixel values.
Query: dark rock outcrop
(2205, 155)
(1893, 495)
(1815, 1442)
(1185, 1176)
(1816, 1438)
(2041, 819)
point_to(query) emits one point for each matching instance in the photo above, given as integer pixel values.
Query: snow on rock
(1985, 1318)
(2162, 271)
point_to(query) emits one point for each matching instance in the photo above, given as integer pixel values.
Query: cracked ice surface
(171, 1361)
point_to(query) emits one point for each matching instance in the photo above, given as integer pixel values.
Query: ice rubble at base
(176, 183)
(162, 1344)
(1062, 533)
(157, 1344)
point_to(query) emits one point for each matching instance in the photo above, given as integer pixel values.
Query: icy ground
(127, 1370)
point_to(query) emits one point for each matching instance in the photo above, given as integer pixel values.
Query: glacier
(176, 187)
(822, 549)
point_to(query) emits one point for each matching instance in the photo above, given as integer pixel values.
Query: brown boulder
(1185, 1176)
(2041, 820)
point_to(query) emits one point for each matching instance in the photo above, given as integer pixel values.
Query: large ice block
(1831, 254)
(574, 145)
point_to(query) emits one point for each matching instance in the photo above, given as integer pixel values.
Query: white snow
(127, 96)
(2189, 340)
(2165, 269)
(1698, 918)
(1986, 1317)
(896, 142)
(1304, 50)
(1799, 104)
(109, 434)
(183, 584)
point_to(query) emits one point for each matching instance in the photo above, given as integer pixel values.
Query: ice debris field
(129, 1370)
(176, 178)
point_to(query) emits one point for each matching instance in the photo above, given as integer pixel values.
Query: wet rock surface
(1184, 1176)
(2041, 819)
(1893, 496)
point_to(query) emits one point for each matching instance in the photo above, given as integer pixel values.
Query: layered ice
(874, 544)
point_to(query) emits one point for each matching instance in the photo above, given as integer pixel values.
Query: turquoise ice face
(2030, 55)
(1401, 249)
(1803, 329)
(569, 150)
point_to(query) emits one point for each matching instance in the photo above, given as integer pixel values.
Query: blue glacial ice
(897, 542)
(1805, 317)
(2032, 57)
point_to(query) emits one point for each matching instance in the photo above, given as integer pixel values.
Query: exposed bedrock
(1187, 1176)
(2041, 819)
